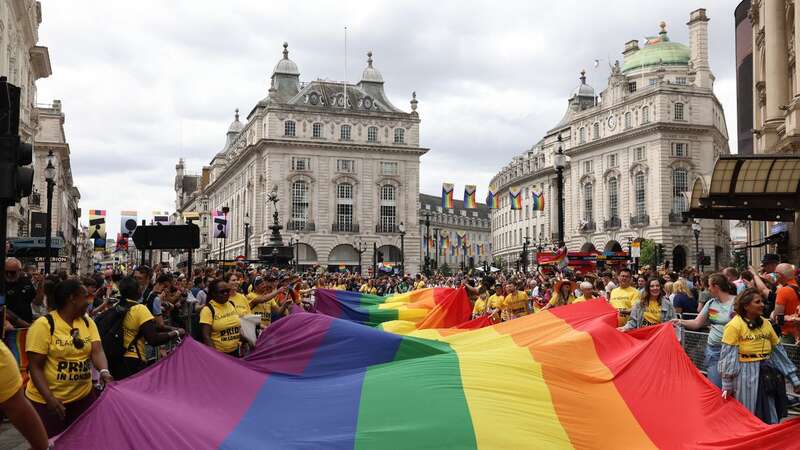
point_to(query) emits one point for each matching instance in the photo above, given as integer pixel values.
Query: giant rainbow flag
(423, 308)
(563, 378)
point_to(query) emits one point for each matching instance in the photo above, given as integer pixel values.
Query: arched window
(613, 198)
(289, 128)
(645, 114)
(680, 185)
(399, 136)
(372, 134)
(588, 203)
(344, 207)
(640, 194)
(299, 205)
(345, 133)
(678, 111)
(582, 134)
(627, 120)
(316, 130)
(388, 212)
(596, 130)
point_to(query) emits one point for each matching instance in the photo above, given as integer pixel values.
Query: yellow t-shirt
(241, 303)
(480, 306)
(137, 316)
(10, 379)
(754, 345)
(224, 325)
(67, 369)
(264, 309)
(419, 285)
(554, 299)
(652, 313)
(495, 301)
(517, 303)
(624, 298)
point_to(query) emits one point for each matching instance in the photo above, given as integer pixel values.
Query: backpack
(109, 325)
(197, 333)
(52, 322)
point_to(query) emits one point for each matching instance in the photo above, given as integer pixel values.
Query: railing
(587, 227)
(296, 225)
(612, 223)
(640, 220)
(676, 217)
(344, 228)
(386, 228)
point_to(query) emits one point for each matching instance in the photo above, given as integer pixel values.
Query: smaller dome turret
(371, 74)
(583, 89)
(286, 66)
(236, 126)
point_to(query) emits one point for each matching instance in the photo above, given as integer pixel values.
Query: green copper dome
(658, 50)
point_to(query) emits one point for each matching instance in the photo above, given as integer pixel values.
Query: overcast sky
(144, 83)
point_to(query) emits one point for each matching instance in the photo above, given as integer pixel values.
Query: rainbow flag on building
(470, 201)
(538, 201)
(492, 201)
(563, 378)
(515, 198)
(447, 196)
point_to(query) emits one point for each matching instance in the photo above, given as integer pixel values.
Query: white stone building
(634, 153)
(50, 137)
(23, 62)
(449, 223)
(344, 161)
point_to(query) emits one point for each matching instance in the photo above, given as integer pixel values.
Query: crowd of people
(85, 332)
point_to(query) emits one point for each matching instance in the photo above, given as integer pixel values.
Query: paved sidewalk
(10, 439)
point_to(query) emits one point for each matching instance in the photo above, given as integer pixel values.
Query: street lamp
(247, 236)
(296, 251)
(361, 247)
(559, 162)
(427, 244)
(402, 229)
(696, 229)
(524, 256)
(436, 244)
(50, 178)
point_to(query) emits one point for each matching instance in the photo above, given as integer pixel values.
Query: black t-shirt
(19, 296)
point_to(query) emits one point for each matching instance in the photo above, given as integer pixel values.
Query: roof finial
(369, 58)
(285, 50)
(663, 26)
(236, 115)
(414, 101)
(583, 76)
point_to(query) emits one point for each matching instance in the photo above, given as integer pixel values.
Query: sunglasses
(76, 339)
(11, 273)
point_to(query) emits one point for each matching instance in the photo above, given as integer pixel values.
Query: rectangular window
(588, 203)
(680, 150)
(680, 185)
(316, 130)
(645, 114)
(632, 87)
(399, 136)
(389, 168)
(678, 111)
(344, 207)
(345, 165)
(301, 164)
(596, 130)
(587, 167)
(638, 154)
(289, 128)
(653, 81)
(612, 160)
(613, 198)
(639, 188)
(372, 134)
(345, 133)
(680, 80)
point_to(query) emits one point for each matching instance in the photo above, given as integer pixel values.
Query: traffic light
(16, 181)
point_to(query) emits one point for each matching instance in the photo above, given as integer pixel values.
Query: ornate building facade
(23, 62)
(633, 153)
(343, 160)
(441, 242)
(50, 137)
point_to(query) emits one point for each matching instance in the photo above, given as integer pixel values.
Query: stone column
(777, 69)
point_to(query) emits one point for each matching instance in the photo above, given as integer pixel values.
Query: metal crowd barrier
(694, 344)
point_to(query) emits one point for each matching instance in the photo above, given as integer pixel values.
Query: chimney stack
(698, 46)
(631, 47)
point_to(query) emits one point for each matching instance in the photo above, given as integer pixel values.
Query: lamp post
(524, 256)
(402, 229)
(361, 247)
(436, 233)
(696, 229)
(427, 244)
(559, 162)
(50, 178)
(247, 236)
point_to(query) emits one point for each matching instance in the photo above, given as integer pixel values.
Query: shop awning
(765, 187)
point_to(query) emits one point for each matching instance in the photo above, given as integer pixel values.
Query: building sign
(38, 224)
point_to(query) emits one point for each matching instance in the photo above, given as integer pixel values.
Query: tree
(445, 270)
(647, 253)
